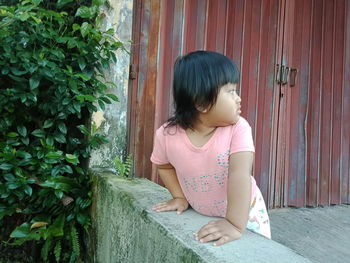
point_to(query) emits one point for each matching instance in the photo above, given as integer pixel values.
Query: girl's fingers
(164, 209)
(180, 210)
(206, 230)
(160, 204)
(222, 240)
(211, 237)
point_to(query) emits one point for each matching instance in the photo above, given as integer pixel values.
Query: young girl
(205, 152)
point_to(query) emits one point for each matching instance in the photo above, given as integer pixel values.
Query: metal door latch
(285, 74)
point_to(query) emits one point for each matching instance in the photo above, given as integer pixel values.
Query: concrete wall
(112, 121)
(127, 230)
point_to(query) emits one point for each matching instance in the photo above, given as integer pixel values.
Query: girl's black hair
(198, 77)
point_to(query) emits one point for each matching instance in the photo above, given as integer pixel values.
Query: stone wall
(127, 230)
(112, 121)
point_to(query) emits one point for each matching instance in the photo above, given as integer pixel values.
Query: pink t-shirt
(202, 171)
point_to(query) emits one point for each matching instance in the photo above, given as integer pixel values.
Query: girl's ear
(202, 109)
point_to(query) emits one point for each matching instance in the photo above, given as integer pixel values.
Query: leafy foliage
(123, 168)
(52, 59)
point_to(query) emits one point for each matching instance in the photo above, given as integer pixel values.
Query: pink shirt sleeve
(159, 155)
(242, 139)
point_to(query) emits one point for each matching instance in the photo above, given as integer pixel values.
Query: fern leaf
(57, 250)
(75, 241)
(45, 249)
(128, 165)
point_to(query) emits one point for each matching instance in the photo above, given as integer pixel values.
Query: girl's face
(227, 108)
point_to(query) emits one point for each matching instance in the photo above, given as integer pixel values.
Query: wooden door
(313, 132)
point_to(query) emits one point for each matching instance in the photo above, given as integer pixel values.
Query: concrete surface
(127, 230)
(320, 234)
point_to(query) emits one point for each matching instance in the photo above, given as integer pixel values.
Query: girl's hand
(180, 204)
(221, 230)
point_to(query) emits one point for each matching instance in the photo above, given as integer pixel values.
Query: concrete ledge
(127, 230)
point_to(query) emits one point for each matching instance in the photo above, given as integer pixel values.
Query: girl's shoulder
(166, 130)
(241, 124)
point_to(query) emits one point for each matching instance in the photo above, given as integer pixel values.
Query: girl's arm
(238, 203)
(239, 189)
(168, 175)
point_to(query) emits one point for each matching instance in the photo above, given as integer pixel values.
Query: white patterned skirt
(259, 221)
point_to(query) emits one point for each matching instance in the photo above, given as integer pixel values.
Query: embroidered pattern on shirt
(221, 178)
(223, 159)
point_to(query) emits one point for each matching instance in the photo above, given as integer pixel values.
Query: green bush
(52, 59)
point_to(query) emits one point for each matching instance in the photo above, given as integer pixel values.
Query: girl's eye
(233, 91)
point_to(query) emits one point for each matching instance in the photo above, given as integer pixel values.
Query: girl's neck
(202, 128)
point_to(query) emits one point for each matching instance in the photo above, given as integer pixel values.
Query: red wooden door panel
(313, 112)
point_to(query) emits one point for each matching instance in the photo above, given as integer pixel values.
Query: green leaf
(57, 251)
(25, 141)
(38, 133)
(76, 106)
(83, 129)
(5, 71)
(90, 98)
(61, 169)
(113, 97)
(33, 83)
(106, 100)
(12, 134)
(82, 219)
(46, 248)
(67, 169)
(58, 53)
(86, 12)
(85, 29)
(13, 185)
(71, 43)
(55, 171)
(22, 130)
(23, 17)
(71, 158)
(18, 72)
(9, 177)
(62, 3)
(48, 123)
(59, 194)
(28, 190)
(21, 231)
(98, 2)
(110, 31)
(40, 154)
(62, 127)
(54, 155)
(37, 20)
(81, 63)
(6, 166)
(102, 104)
(23, 154)
(75, 27)
(82, 76)
(66, 101)
(75, 240)
(36, 2)
(60, 138)
(62, 183)
(49, 141)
